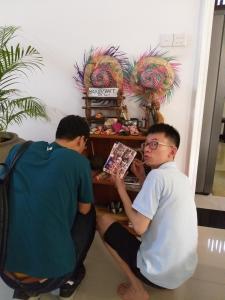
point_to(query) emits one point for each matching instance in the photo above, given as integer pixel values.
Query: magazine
(120, 158)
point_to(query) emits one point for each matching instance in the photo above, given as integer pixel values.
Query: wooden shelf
(96, 121)
(121, 217)
(110, 106)
(99, 146)
(104, 107)
(118, 137)
(107, 181)
(103, 98)
(133, 188)
(102, 181)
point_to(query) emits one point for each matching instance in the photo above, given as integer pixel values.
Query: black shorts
(126, 245)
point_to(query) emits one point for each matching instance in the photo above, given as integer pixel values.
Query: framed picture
(134, 121)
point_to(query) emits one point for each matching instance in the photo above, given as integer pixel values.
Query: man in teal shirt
(52, 220)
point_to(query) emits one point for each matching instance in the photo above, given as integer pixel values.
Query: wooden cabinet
(99, 146)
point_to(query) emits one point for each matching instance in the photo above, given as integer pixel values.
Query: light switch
(179, 40)
(166, 40)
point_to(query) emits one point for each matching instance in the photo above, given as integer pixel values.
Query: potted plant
(15, 61)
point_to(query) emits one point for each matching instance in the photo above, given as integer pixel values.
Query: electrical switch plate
(166, 40)
(179, 40)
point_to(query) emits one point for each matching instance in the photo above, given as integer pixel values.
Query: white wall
(63, 30)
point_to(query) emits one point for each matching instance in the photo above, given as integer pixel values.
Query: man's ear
(79, 140)
(173, 151)
(76, 141)
(83, 138)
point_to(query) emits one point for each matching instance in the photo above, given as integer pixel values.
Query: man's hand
(140, 222)
(138, 170)
(118, 182)
(84, 208)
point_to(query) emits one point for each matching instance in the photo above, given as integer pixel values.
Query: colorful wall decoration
(153, 77)
(102, 68)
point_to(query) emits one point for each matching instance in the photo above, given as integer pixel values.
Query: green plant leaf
(17, 60)
(7, 34)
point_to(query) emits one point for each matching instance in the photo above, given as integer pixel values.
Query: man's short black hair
(71, 127)
(169, 131)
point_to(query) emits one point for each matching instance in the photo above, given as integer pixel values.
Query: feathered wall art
(102, 68)
(153, 77)
(151, 80)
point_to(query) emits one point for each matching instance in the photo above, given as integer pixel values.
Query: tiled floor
(103, 276)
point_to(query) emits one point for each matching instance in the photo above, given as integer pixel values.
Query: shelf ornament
(102, 68)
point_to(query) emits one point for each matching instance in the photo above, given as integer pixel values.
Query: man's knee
(103, 223)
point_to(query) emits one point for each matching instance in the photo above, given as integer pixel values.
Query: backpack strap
(18, 154)
(4, 213)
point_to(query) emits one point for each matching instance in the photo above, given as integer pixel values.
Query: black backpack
(4, 185)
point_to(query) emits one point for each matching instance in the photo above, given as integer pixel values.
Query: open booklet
(120, 158)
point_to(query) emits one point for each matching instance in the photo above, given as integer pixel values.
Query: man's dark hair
(169, 131)
(71, 127)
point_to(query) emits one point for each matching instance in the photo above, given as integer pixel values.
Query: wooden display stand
(104, 190)
(110, 107)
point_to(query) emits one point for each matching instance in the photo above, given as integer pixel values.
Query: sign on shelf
(102, 92)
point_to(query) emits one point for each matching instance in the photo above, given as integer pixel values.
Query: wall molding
(204, 36)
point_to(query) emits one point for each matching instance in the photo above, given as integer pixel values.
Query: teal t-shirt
(46, 185)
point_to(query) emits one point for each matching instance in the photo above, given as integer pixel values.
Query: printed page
(120, 158)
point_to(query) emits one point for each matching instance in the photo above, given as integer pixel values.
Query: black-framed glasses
(153, 145)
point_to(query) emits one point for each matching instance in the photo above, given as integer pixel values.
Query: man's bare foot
(127, 292)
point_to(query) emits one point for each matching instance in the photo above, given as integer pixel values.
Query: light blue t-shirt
(46, 185)
(168, 252)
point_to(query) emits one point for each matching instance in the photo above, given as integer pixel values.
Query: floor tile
(103, 275)
(211, 252)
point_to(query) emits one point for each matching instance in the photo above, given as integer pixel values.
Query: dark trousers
(82, 232)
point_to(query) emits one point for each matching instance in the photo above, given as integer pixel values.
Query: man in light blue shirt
(163, 214)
